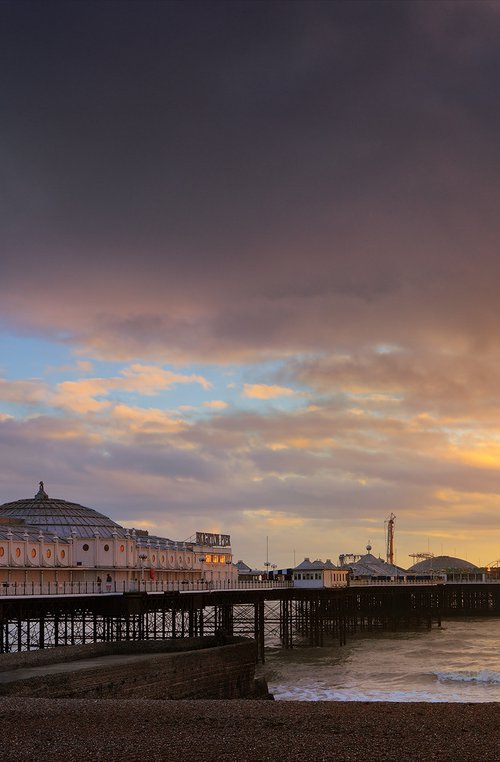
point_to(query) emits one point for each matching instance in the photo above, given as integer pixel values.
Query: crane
(390, 539)
(420, 556)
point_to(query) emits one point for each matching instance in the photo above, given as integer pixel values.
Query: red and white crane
(390, 539)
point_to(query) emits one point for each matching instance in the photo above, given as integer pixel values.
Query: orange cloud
(266, 392)
(149, 379)
(145, 420)
(80, 396)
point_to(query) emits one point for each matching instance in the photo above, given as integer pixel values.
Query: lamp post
(228, 575)
(202, 560)
(142, 557)
(267, 563)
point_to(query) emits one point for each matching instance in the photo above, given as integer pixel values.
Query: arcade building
(49, 543)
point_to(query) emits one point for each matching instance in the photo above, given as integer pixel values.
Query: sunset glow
(250, 267)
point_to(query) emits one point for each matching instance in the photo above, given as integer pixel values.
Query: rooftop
(59, 517)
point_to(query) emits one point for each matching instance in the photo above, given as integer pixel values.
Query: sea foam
(483, 676)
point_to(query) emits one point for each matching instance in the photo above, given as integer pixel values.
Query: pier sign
(214, 540)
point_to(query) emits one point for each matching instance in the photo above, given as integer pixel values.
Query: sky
(249, 270)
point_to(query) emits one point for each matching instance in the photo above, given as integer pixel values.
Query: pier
(278, 616)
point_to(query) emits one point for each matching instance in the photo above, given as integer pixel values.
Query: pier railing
(16, 589)
(394, 582)
(436, 579)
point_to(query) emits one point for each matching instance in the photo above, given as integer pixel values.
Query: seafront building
(247, 574)
(369, 567)
(47, 542)
(314, 574)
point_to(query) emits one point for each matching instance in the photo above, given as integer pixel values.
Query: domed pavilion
(53, 545)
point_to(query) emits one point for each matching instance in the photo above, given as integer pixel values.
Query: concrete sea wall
(193, 668)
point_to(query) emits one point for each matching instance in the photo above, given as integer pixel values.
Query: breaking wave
(484, 676)
(456, 663)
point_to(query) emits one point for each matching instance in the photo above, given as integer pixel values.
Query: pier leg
(259, 629)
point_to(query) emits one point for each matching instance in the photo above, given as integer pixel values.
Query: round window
(33, 553)
(163, 559)
(63, 554)
(188, 560)
(48, 553)
(106, 548)
(85, 547)
(171, 559)
(122, 548)
(18, 552)
(153, 557)
(180, 560)
(2, 552)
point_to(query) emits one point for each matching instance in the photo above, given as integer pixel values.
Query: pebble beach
(247, 731)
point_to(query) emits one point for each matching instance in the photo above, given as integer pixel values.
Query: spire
(41, 494)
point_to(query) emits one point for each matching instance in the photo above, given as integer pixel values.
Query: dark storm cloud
(217, 173)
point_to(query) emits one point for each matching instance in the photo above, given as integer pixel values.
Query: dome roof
(59, 517)
(371, 566)
(442, 563)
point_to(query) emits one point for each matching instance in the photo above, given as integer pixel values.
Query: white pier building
(51, 543)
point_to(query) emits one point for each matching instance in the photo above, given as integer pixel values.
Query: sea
(458, 662)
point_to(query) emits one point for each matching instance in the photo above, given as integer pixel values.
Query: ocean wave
(483, 676)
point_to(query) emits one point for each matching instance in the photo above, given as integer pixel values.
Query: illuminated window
(18, 552)
(48, 553)
(208, 558)
(63, 554)
(33, 553)
(85, 547)
(106, 548)
(122, 548)
(222, 559)
(215, 559)
(2, 551)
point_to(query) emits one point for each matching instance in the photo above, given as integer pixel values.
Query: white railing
(472, 581)
(16, 589)
(433, 581)
(22, 589)
(393, 582)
